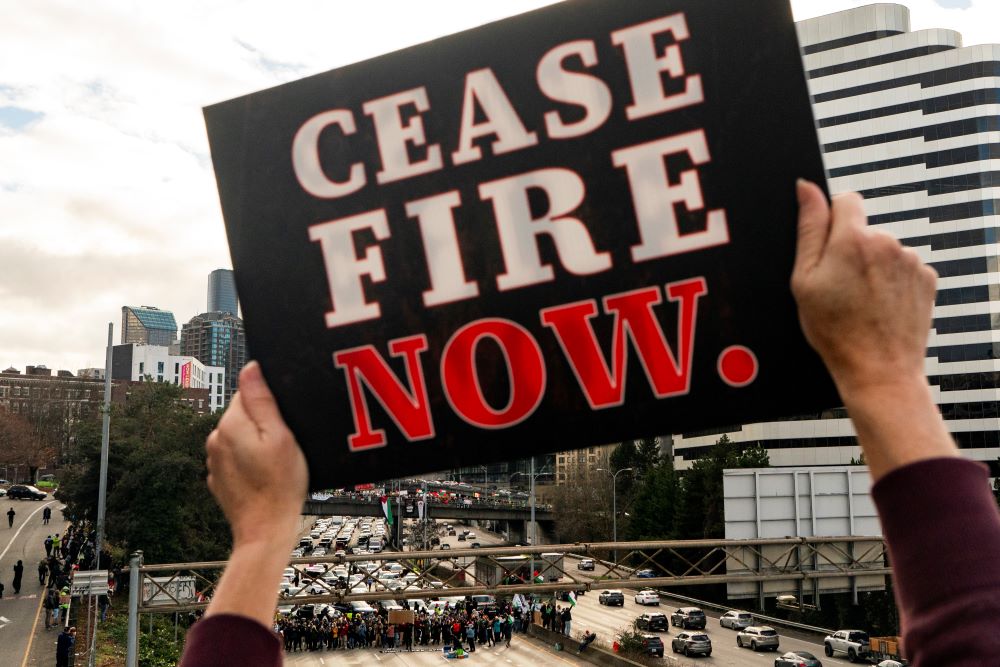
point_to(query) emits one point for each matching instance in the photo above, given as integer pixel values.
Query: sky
(107, 195)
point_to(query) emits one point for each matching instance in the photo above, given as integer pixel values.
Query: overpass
(513, 519)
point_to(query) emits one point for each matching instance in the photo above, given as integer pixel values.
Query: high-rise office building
(217, 339)
(148, 325)
(911, 121)
(222, 292)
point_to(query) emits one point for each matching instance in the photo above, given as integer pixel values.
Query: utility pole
(102, 490)
(134, 591)
(614, 505)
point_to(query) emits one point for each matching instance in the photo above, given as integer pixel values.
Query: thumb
(814, 225)
(256, 398)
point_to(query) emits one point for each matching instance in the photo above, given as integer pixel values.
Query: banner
(571, 227)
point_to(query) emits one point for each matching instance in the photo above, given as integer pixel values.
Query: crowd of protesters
(449, 628)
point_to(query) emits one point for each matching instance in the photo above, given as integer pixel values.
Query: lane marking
(21, 527)
(31, 637)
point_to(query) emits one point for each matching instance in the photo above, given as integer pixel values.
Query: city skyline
(107, 194)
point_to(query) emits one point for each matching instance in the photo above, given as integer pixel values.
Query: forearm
(249, 585)
(897, 424)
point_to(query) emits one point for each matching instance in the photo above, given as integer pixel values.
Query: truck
(503, 570)
(855, 644)
(551, 566)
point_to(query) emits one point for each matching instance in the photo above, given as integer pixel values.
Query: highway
(24, 542)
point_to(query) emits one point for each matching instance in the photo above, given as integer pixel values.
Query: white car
(647, 597)
(736, 620)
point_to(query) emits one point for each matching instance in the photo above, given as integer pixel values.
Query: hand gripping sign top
(568, 228)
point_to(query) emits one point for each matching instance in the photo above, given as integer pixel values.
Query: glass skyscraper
(217, 339)
(222, 292)
(148, 325)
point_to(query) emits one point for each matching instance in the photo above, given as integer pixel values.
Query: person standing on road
(51, 604)
(567, 619)
(18, 573)
(46, 515)
(64, 647)
(43, 570)
(10, 517)
(48, 546)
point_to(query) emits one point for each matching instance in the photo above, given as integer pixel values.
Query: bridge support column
(517, 532)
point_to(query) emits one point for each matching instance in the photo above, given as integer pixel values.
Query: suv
(690, 643)
(586, 564)
(25, 492)
(852, 642)
(652, 622)
(688, 617)
(612, 598)
(652, 645)
(736, 620)
(758, 638)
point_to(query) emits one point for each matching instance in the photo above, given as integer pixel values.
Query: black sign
(567, 228)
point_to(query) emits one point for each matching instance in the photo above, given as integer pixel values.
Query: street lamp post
(614, 505)
(533, 537)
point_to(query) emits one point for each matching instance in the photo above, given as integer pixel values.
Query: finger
(814, 225)
(257, 399)
(847, 214)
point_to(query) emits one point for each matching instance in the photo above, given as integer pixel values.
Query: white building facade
(911, 120)
(137, 362)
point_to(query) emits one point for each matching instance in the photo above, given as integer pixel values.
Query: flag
(572, 598)
(420, 509)
(387, 509)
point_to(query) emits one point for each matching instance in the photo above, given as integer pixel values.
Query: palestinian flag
(572, 598)
(386, 508)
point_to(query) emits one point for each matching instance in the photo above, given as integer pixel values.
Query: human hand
(256, 470)
(865, 301)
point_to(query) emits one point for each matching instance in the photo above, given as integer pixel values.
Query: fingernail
(800, 183)
(250, 373)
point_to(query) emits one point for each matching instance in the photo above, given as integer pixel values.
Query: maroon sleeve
(226, 639)
(943, 530)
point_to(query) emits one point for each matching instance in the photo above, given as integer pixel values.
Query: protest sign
(567, 228)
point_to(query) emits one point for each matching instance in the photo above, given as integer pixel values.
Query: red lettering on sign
(407, 407)
(525, 371)
(668, 374)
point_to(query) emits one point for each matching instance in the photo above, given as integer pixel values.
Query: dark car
(688, 618)
(645, 574)
(461, 537)
(24, 492)
(691, 643)
(797, 659)
(612, 598)
(652, 645)
(652, 622)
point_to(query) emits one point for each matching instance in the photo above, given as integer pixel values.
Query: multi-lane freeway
(24, 542)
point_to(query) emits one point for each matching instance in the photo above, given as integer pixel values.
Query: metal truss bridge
(505, 571)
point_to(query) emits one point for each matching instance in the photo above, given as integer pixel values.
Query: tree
(583, 511)
(158, 500)
(23, 442)
(655, 505)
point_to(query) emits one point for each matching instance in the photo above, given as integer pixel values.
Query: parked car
(758, 638)
(652, 645)
(853, 643)
(586, 564)
(797, 659)
(692, 643)
(25, 492)
(736, 620)
(688, 618)
(645, 574)
(647, 597)
(655, 622)
(611, 597)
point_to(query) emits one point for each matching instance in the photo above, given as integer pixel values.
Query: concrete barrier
(594, 655)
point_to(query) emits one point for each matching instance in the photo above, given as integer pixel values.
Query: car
(483, 601)
(451, 533)
(611, 597)
(586, 564)
(461, 537)
(645, 574)
(3, 492)
(652, 622)
(647, 597)
(5, 482)
(890, 663)
(25, 492)
(688, 618)
(736, 620)
(652, 645)
(853, 643)
(797, 659)
(758, 638)
(691, 643)
(445, 546)
(476, 545)
(470, 536)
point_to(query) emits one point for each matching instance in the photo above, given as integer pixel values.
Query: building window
(177, 367)
(159, 367)
(141, 365)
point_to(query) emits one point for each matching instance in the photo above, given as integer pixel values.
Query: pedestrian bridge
(482, 510)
